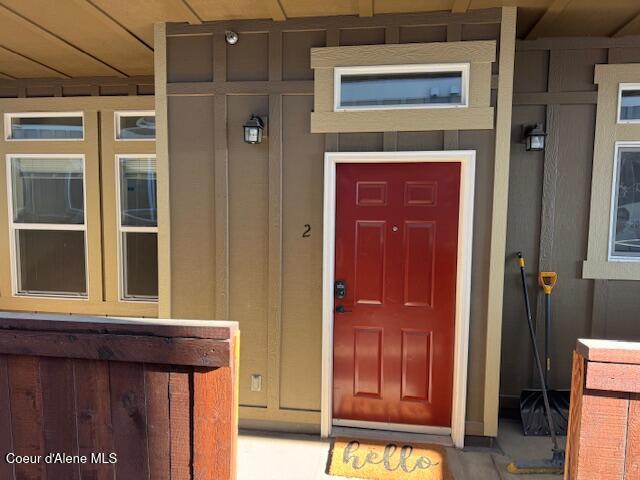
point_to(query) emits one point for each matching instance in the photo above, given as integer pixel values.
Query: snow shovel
(555, 464)
(532, 408)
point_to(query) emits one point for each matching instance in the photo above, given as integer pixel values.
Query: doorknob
(341, 309)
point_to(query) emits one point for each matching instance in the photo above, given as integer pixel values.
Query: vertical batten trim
(274, 319)
(499, 220)
(221, 181)
(163, 171)
(274, 234)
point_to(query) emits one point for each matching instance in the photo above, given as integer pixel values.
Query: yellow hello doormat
(373, 460)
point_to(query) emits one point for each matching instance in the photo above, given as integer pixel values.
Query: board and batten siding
(549, 204)
(238, 213)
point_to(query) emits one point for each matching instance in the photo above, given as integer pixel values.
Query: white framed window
(135, 125)
(629, 103)
(47, 224)
(137, 227)
(44, 126)
(385, 87)
(624, 228)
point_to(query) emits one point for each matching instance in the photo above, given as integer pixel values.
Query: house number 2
(307, 231)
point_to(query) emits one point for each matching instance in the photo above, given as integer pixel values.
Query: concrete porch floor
(271, 456)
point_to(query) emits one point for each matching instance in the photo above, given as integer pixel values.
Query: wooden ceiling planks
(411, 6)
(631, 27)
(81, 24)
(232, 9)
(17, 66)
(314, 8)
(139, 17)
(26, 38)
(78, 38)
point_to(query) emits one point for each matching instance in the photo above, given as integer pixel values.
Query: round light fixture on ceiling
(231, 37)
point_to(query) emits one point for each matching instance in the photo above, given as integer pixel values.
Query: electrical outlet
(256, 382)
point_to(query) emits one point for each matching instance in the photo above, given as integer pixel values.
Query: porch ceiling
(80, 38)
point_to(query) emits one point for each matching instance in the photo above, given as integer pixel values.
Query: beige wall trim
(499, 220)
(476, 57)
(162, 166)
(609, 136)
(405, 53)
(466, 158)
(403, 120)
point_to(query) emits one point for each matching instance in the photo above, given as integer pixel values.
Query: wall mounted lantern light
(253, 129)
(534, 137)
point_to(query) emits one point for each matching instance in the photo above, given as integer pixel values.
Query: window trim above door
(466, 158)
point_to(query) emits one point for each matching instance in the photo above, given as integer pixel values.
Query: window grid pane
(626, 223)
(138, 225)
(140, 263)
(48, 225)
(136, 127)
(51, 262)
(138, 192)
(46, 128)
(372, 90)
(48, 190)
(630, 105)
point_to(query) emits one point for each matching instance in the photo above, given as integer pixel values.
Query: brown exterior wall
(549, 207)
(238, 211)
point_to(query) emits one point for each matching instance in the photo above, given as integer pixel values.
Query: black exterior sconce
(254, 129)
(534, 137)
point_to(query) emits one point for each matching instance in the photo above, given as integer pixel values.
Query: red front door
(396, 252)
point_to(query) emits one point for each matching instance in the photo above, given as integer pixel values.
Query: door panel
(419, 254)
(416, 365)
(370, 253)
(396, 251)
(367, 357)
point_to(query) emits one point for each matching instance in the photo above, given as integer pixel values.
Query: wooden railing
(99, 398)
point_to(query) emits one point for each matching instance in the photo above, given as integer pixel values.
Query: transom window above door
(401, 86)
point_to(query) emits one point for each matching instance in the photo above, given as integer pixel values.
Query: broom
(554, 465)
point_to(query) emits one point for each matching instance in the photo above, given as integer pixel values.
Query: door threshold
(386, 435)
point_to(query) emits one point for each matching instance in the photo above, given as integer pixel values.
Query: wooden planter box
(157, 397)
(603, 441)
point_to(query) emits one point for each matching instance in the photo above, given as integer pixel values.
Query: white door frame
(466, 158)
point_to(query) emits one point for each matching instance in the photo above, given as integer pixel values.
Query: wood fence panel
(632, 463)
(26, 414)
(6, 440)
(129, 414)
(152, 416)
(603, 441)
(156, 380)
(93, 416)
(58, 415)
(180, 415)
